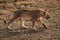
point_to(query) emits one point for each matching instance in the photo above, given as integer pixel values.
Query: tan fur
(30, 15)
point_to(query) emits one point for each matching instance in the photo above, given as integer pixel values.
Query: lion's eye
(44, 13)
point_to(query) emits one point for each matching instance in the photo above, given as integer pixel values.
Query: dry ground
(53, 33)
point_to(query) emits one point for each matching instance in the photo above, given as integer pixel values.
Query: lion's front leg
(41, 21)
(45, 26)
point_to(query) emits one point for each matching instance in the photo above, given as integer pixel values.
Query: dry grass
(53, 33)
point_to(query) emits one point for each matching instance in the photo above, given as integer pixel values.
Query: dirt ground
(8, 7)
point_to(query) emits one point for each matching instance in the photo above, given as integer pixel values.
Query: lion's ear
(45, 10)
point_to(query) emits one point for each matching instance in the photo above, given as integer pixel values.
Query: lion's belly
(26, 17)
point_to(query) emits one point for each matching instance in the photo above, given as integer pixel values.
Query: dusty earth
(18, 33)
